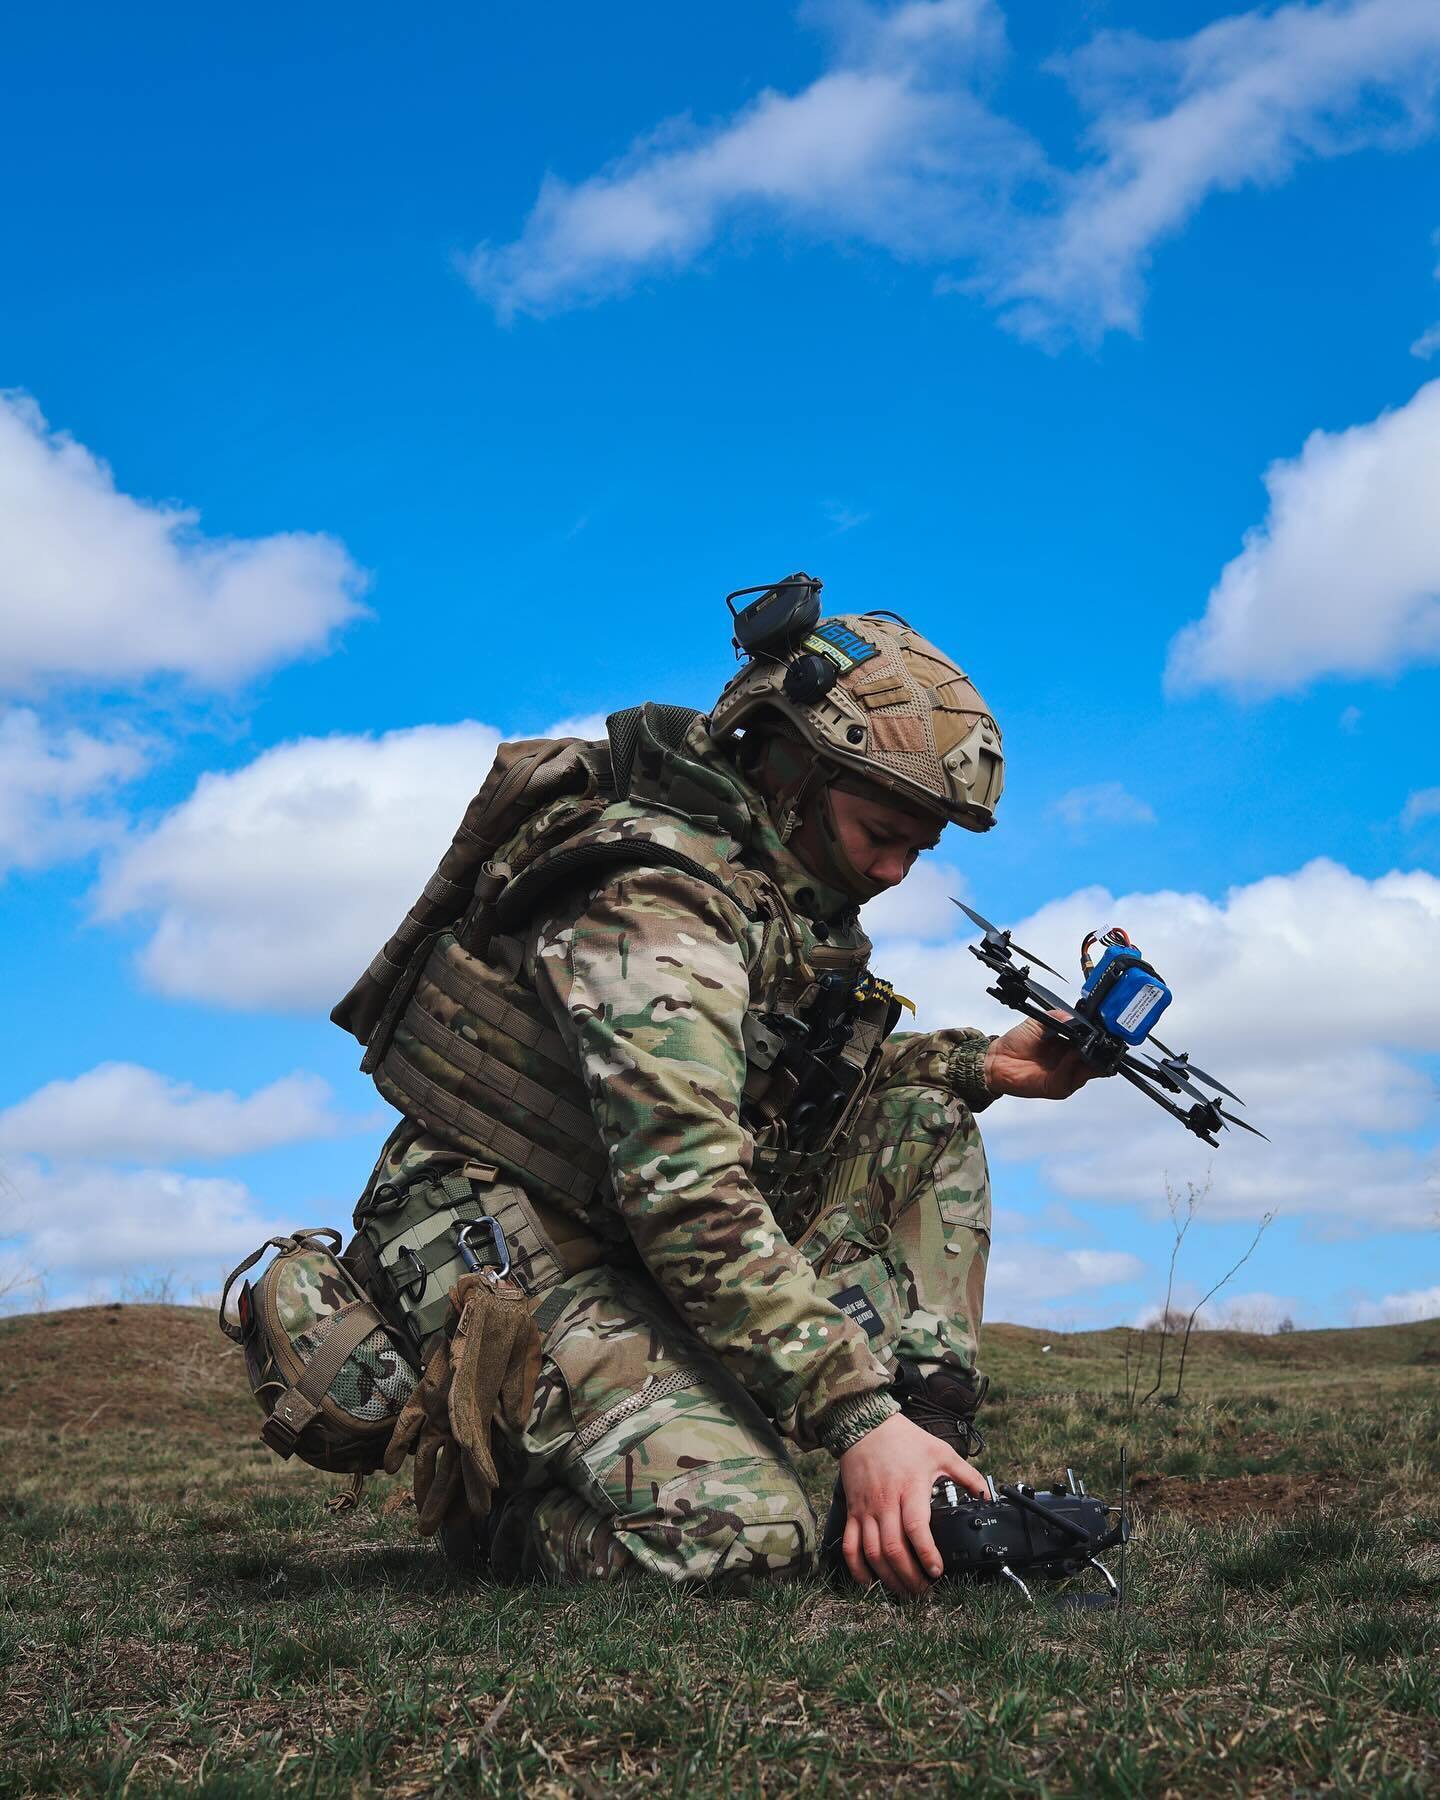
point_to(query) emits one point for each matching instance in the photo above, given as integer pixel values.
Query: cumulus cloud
(1272, 996)
(56, 785)
(1399, 1309)
(1343, 577)
(1102, 803)
(1427, 343)
(894, 145)
(101, 588)
(97, 1224)
(272, 886)
(889, 146)
(1239, 103)
(124, 1113)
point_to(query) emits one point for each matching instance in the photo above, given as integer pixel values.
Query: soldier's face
(879, 841)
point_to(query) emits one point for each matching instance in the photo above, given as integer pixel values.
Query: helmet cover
(899, 716)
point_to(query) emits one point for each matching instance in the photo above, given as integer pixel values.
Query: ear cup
(808, 677)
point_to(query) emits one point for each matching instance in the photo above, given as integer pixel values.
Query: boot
(944, 1403)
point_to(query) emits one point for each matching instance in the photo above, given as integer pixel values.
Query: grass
(181, 1614)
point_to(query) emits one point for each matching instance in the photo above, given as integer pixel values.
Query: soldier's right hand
(888, 1479)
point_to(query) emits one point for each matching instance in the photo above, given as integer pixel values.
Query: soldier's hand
(1035, 1064)
(888, 1477)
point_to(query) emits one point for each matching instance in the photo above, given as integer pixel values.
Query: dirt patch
(92, 1370)
(1238, 1496)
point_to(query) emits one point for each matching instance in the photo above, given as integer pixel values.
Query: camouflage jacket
(650, 979)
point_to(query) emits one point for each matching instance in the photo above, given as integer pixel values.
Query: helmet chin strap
(841, 872)
(792, 779)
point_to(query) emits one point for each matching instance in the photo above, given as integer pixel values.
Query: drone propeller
(1179, 1063)
(1230, 1119)
(1003, 940)
(1172, 1074)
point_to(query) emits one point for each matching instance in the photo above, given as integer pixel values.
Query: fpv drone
(1123, 997)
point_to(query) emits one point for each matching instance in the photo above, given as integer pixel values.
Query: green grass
(180, 1614)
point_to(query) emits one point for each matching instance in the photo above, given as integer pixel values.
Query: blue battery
(1131, 1000)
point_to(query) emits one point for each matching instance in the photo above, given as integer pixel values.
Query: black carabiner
(498, 1245)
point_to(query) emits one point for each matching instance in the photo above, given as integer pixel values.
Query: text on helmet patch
(845, 648)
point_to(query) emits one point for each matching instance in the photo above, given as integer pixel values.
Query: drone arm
(1178, 1112)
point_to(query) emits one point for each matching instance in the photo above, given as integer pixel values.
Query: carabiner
(501, 1249)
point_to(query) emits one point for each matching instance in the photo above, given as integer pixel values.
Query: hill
(101, 1369)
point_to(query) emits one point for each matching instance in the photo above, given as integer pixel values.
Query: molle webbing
(508, 1084)
(439, 1109)
(450, 972)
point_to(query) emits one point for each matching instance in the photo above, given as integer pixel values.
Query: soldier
(755, 1221)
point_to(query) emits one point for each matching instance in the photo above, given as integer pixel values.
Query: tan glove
(485, 1371)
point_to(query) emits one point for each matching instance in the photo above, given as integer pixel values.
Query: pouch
(329, 1372)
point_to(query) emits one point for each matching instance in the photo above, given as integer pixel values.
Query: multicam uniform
(741, 1297)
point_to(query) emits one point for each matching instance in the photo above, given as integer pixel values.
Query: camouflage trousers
(642, 1454)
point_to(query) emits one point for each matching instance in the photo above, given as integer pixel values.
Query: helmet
(871, 698)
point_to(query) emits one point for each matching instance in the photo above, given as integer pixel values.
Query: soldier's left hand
(1034, 1064)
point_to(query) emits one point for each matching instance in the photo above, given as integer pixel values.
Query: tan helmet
(872, 698)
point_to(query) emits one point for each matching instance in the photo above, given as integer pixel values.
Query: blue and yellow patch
(845, 648)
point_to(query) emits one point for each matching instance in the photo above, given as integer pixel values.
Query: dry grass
(180, 1613)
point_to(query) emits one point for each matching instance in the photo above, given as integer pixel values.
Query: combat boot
(944, 1403)
(501, 1545)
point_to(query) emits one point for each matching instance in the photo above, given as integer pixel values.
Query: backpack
(329, 1372)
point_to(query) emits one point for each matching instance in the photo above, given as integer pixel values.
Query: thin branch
(1192, 1194)
(1260, 1231)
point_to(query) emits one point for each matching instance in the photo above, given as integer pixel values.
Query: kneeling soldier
(632, 1016)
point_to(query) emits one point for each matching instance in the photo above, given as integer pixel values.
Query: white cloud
(1256, 1311)
(1237, 104)
(101, 588)
(54, 787)
(590, 726)
(1424, 803)
(102, 1223)
(893, 146)
(1399, 1309)
(122, 1112)
(1350, 720)
(1274, 996)
(1344, 575)
(1102, 803)
(1427, 343)
(923, 906)
(274, 885)
(889, 147)
(1014, 1286)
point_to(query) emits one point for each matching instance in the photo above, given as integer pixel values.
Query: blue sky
(481, 353)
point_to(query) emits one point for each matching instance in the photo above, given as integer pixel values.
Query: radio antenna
(1124, 1532)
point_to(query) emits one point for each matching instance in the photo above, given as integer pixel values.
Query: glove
(486, 1370)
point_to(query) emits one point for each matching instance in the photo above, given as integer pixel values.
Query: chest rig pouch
(810, 1067)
